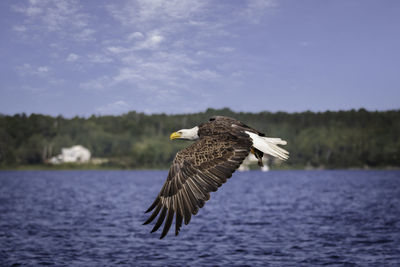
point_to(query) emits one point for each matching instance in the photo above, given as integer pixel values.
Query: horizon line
(226, 109)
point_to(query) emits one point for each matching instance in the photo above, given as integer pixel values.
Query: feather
(174, 188)
(181, 178)
(160, 219)
(219, 174)
(202, 184)
(269, 147)
(193, 196)
(155, 213)
(225, 171)
(185, 206)
(213, 186)
(153, 205)
(230, 165)
(177, 184)
(168, 223)
(168, 189)
(180, 205)
(201, 204)
(214, 178)
(178, 222)
(190, 198)
(202, 189)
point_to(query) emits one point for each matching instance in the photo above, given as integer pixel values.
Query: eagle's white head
(187, 134)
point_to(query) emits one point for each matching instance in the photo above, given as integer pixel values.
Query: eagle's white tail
(269, 145)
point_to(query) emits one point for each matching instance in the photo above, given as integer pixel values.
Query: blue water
(277, 218)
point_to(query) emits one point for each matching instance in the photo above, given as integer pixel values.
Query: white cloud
(153, 45)
(160, 24)
(99, 58)
(204, 54)
(72, 57)
(162, 69)
(30, 11)
(165, 67)
(43, 69)
(38, 79)
(54, 14)
(203, 74)
(19, 28)
(144, 11)
(135, 35)
(256, 9)
(152, 41)
(85, 35)
(126, 74)
(98, 84)
(155, 39)
(226, 49)
(61, 17)
(116, 107)
(178, 58)
(27, 69)
(117, 49)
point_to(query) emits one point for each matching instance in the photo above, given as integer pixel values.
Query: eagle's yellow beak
(174, 135)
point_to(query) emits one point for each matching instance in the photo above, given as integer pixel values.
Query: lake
(276, 218)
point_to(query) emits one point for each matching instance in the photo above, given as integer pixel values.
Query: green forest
(329, 140)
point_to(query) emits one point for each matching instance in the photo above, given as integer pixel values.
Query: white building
(75, 154)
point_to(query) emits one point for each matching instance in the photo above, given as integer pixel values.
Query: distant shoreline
(354, 139)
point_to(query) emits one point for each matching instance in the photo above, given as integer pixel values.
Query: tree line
(343, 139)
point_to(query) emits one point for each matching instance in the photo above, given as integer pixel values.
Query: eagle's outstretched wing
(195, 172)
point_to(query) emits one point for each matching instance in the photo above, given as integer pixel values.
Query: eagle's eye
(212, 119)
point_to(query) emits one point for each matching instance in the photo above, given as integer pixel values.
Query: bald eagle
(222, 144)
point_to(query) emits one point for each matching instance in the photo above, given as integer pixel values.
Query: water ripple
(278, 218)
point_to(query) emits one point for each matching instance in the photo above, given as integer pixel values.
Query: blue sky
(108, 57)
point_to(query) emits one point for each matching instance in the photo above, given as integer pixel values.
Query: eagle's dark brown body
(200, 169)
